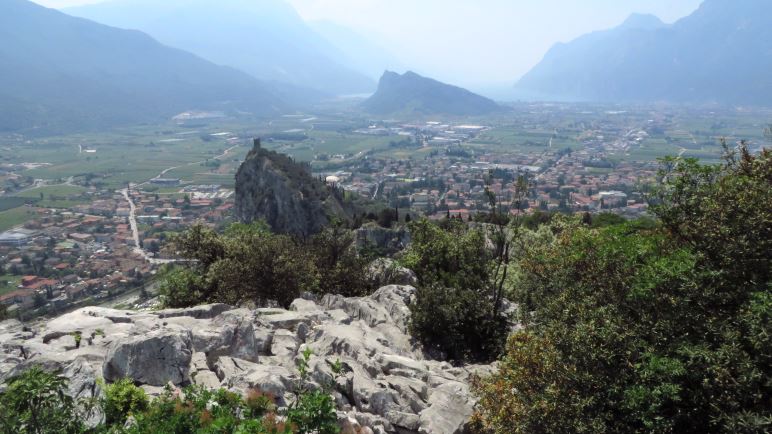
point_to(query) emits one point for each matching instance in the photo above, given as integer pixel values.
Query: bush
(456, 312)
(641, 329)
(246, 263)
(198, 410)
(342, 270)
(121, 400)
(36, 402)
(249, 263)
(457, 323)
(182, 287)
(313, 411)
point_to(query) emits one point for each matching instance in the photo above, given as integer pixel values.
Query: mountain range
(412, 94)
(722, 53)
(59, 72)
(264, 38)
(359, 51)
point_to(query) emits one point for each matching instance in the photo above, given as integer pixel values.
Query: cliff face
(274, 188)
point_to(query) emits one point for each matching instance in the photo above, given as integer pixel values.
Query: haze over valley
(385, 216)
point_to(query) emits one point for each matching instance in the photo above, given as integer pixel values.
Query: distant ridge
(264, 38)
(411, 93)
(722, 53)
(60, 73)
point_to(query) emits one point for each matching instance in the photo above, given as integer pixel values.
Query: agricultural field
(121, 157)
(7, 203)
(8, 283)
(15, 217)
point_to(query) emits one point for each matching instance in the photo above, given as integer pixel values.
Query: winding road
(133, 210)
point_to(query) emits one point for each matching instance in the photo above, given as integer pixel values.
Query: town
(92, 252)
(451, 180)
(100, 230)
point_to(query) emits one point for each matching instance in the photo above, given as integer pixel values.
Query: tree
(641, 328)
(456, 311)
(36, 402)
(249, 263)
(259, 266)
(121, 400)
(341, 269)
(39, 300)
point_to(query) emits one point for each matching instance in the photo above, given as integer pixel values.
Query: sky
(474, 43)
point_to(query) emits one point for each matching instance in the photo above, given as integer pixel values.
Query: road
(133, 212)
(135, 232)
(167, 170)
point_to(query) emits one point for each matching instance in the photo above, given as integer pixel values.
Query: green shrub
(199, 410)
(36, 402)
(457, 310)
(121, 400)
(182, 287)
(246, 263)
(342, 270)
(78, 337)
(313, 411)
(249, 263)
(645, 328)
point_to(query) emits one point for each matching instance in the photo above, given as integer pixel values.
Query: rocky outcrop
(385, 271)
(156, 359)
(386, 240)
(387, 384)
(274, 188)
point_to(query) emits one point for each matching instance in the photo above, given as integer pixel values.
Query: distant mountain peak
(642, 21)
(61, 73)
(721, 53)
(264, 38)
(411, 93)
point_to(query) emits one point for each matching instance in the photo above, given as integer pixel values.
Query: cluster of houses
(559, 180)
(62, 257)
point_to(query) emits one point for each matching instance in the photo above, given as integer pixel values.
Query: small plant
(36, 402)
(94, 334)
(258, 403)
(78, 336)
(198, 410)
(123, 399)
(313, 410)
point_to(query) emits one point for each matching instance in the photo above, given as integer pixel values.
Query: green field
(122, 156)
(508, 139)
(7, 203)
(8, 283)
(14, 217)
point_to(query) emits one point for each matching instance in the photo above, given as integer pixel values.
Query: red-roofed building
(22, 297)
(29, 280)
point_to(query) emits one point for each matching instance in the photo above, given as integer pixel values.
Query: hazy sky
(473, 42)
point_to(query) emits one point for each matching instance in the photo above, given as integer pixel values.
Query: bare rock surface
(387, 384)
